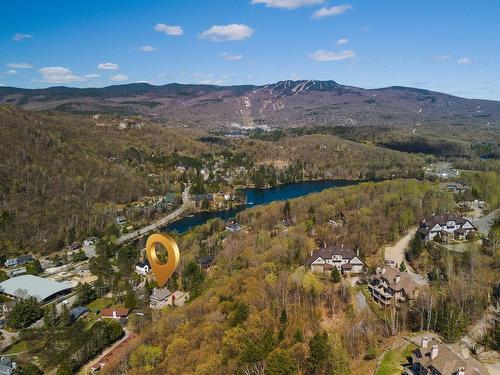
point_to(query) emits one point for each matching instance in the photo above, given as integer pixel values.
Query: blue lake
(257, 197)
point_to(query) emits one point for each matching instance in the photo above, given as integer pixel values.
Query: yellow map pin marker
(162, 271)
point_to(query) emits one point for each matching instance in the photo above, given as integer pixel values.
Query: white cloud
(342, 41)
(107, 66)
(465, 61)
(234, 31)
(119, 77)
(17, 37)
(148, 48)
(332, 11)
(59, 74)
(19, 65)
(91, 76)
(228, 57)
(287, 4)
(11, 72)
(441, 57)
(168, 29)
(322, 55)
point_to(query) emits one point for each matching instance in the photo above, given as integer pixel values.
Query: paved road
(159, 223)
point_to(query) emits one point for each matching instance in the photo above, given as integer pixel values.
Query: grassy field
(394, 359)
(17, 347)
(99, 304)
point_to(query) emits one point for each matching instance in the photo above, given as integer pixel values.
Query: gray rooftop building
(33, 286)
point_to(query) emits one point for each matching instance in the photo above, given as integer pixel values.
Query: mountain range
(282, 104)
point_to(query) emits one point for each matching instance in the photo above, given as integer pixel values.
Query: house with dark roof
(142, 267)
(206, 261)
(77, 312)
(390, 286)
(446, 227)
(436, 358)
(455, 187)
(324, 259)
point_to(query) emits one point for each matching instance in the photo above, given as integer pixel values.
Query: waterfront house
(324, 259)
(446, 227)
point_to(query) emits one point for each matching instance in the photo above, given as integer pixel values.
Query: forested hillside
(64, 178)
(258, 308)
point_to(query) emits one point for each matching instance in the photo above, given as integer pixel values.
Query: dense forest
(259, 312)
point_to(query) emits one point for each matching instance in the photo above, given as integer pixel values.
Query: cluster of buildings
(216, 201)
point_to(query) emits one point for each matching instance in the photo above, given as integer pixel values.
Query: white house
(324, 259)
(446, 226)
(142, 268)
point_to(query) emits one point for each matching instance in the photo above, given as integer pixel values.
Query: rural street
(159, 223)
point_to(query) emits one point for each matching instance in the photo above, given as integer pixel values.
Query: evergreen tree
(402, 266)
(335, 275)
(280, 362)
(319, 349)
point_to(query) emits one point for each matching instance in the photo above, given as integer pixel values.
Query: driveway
(9, 338)
(397, 254)
(485, 223)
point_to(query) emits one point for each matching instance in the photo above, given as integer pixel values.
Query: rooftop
(40, 288)
(329, 251)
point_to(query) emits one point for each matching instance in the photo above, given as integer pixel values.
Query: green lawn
(393, 360)
(17, 347)
(99, 304)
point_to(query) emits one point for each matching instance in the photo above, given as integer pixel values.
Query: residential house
(446, 227)
(7, 366)
(389, 286)
(436, 358)
(324, 259)
(203, 200)
(233, 227)
(206, 261)
(143, 267)
(115, 312)
(455, 187)
(121, 220)
(11, 262)
(159, 298)
(19, 261)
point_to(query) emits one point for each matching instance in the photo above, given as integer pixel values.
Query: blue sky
(444, 45)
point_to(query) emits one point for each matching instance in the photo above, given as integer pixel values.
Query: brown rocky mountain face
(283, 104)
